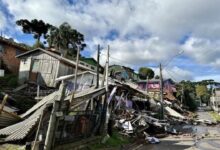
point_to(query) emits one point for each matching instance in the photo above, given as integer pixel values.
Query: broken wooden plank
(3, 103)
(20, 87)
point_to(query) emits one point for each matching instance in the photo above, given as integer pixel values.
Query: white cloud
(2, 21)
(204, 51)
(148, 30)
(136, 52)
(169, 19)
(175, 73)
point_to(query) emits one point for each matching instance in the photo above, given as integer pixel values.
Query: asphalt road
(206, 138)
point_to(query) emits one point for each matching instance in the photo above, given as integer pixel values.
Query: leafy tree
(38, 44)
(66, 39)
(146, 73)
(202, 93)
(188, 94)
(201, 90)
(35, 27)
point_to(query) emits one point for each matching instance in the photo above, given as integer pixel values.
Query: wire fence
(77, 125)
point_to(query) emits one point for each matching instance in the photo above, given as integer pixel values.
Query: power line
(123, 61)
(171, 75)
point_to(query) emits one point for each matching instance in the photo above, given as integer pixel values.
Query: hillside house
(8, 51)
(122, 73)
(91, 62)
(44, 66)
(153, 88)
(215, 100)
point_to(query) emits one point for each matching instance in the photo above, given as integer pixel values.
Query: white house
(215, 100)
(44, 66)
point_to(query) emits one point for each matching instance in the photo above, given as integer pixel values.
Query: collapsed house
(82, 113)
(75, 122)
(69, 114)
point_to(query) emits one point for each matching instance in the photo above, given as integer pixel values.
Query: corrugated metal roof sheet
(9, 109)
(39, 104)
(20, 130)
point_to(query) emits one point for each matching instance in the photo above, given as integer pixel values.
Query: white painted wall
(24, 69)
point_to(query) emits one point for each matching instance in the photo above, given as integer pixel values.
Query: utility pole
(161, 93)
(98, 55)
(107, 65)
(105, 114)
(76, 69)
(182, 93)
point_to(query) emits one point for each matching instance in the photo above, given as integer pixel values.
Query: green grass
(215, 116)
(11, 147)
(115, 141)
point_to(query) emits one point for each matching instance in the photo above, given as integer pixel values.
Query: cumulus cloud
(2, 21)
(204, 51)
(139, 51)
(175, 73)
(169, 19)
(138, 32)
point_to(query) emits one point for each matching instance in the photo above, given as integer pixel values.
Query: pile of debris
(136, 115)
(70, 115)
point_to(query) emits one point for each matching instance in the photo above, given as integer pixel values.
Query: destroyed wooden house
(76, 115)
(44, 66)
(73, 116)
(88, 79)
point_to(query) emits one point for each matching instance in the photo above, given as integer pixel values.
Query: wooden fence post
(50, 137)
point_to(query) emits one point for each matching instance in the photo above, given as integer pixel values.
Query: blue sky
(140, 32)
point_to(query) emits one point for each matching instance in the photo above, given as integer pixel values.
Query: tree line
(63, 38)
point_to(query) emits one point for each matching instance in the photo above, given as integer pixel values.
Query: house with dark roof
(153, 88)
(91, 62)
(122, 73)
(44, 66)
(8, 50)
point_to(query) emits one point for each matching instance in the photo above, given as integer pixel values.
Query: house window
(36, 65)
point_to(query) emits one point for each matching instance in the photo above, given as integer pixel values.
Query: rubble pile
(137, 116)
(67, 115)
